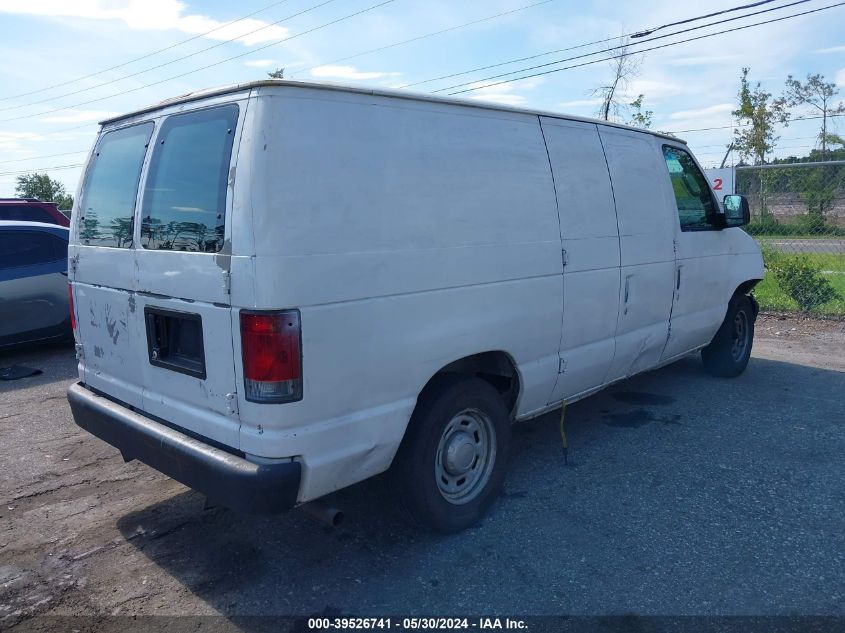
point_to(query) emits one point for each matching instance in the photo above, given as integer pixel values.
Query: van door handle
(627, 287)
(678, 278)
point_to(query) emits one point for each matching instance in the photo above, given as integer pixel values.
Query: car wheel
(728, 353)
(452, 461)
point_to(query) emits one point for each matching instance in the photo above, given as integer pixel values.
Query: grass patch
(772, 297)
(833, 262)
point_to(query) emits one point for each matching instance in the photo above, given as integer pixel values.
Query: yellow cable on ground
(563, 430)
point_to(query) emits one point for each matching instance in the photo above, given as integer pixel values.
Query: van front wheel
(729, 351)
(452, 462)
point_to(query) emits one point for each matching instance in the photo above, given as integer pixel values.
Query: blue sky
(692, 85)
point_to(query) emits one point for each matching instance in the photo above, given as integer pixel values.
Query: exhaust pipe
(326, 515)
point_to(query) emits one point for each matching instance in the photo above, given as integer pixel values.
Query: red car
(32, 210)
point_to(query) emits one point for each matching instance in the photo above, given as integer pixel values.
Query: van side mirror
(737, 212)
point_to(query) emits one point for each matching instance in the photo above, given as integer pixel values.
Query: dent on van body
(454, 249)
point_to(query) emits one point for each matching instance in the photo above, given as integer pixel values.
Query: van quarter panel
(409, 234)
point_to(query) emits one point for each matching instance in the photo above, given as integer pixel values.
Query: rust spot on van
(98, 351)
(132, 304)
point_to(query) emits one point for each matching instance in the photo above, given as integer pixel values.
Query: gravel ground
(681, 494)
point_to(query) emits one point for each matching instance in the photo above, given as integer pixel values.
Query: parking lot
(681, 494)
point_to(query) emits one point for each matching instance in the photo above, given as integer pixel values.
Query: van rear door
(152, 284)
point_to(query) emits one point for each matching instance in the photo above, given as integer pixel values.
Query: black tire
(728, 353)
(439, 435)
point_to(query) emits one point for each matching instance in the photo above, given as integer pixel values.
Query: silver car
(33, 283)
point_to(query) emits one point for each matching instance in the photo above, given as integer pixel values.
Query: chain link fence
(798, 218)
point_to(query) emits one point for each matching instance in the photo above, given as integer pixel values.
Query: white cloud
(832, 49)
(503, 93)
(348, 72)
(655, 89)
(702, 60)
(79, 116)
(260, 63)
(701, 113)
(840, 78)
(579, 103)
(149, 15)
(14, 141)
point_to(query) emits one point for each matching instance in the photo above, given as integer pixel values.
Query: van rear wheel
(729, 351)
(451, 464)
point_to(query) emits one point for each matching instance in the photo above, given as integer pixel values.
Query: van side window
(107, 210)
(697, 209)
(184, 205)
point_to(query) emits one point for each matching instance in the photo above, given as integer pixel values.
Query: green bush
(771, 257)
(766, 225)
(804, 225)
(803, 281)
(812, 223)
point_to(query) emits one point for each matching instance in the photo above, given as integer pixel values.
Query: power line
(167, 63)
(207, 66)
(789, 138)
(701, 17)
(572, 48)
(691, 39)
(728, 127)
(32, 171)
(622, 47)
(774, 149)
(151, 54)
(18, 160)
(424, 36)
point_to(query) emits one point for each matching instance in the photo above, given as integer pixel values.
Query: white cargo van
(281, 289)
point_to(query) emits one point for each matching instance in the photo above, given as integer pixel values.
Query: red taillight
(70, 307)
(272, 358)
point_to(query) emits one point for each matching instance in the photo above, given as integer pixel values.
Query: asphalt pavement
(681, 494)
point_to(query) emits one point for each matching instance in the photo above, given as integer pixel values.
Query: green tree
(279, 73)
(89, 227)
(639, 116)
(757, 116)
(819, 95)
(43, 187)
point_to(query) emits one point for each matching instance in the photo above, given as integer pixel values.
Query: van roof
(398, 94)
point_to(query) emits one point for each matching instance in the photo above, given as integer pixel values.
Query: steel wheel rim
(465, 456)
(739, 337)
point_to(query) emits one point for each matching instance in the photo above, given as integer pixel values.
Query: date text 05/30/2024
(417, 624)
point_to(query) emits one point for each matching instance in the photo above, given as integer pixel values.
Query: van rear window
(184, 204)
(107, 209)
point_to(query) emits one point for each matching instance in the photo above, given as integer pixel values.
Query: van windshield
(184, 204)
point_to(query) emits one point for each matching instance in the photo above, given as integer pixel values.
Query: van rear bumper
(224, 478)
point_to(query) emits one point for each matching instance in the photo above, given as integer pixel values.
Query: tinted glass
(107, 210)
(25, 213)
(184, 207)
(28, 248)
(696, 207)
